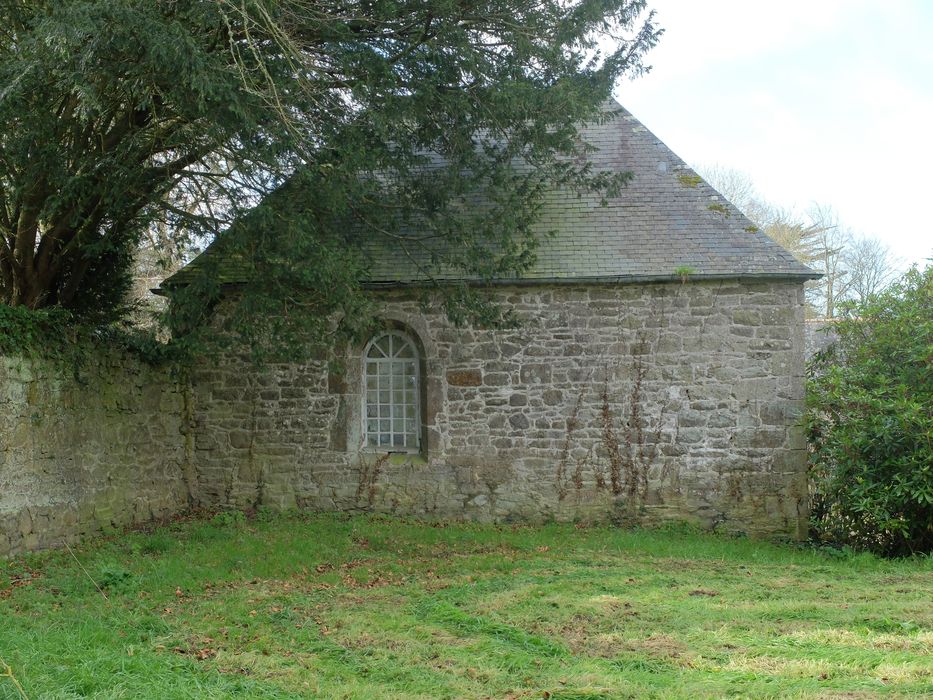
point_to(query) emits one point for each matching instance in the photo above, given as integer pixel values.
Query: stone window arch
(392, 382)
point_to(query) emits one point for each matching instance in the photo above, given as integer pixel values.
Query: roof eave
(602, 280)
(166, 290)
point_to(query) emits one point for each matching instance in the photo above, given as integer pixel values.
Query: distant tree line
(854, 265)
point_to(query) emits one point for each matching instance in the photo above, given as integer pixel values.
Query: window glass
(391, 393)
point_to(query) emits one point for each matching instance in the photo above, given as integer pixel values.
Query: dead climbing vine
(637, 466)
(611, 441)
(627, 440)
(573, 422)
(626, 448)
(369, 476)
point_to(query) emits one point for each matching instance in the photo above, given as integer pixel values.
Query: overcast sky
(827, 101)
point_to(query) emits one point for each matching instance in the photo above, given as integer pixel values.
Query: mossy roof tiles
(665, 221)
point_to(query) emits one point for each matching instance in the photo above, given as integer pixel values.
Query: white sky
(827, 101)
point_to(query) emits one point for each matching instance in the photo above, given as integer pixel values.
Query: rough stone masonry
(623, 403)
(84, 449)
(632, 403)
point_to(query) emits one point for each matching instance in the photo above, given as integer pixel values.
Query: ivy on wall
(54, 334)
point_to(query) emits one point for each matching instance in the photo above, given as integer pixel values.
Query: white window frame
(415, 360)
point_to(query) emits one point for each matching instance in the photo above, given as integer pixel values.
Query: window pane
(391, 379)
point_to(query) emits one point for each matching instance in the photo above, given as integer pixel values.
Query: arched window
(392, 419)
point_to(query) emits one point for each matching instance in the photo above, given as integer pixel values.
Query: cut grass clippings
(370, 607)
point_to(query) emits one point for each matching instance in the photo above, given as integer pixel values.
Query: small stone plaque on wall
(465, 377)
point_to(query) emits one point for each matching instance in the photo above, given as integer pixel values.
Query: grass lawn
(332, 606)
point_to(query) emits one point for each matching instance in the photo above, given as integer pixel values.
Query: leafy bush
(870, 423)
(229, 518)
(113, 578)
(59, 335)
(25, 331)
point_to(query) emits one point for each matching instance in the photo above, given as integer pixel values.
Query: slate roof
(666, 219)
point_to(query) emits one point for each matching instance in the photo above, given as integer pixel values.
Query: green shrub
(870, 423)
(113, 578)
(229, 518)
(57, 334)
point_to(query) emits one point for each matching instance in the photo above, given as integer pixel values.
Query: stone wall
(85, 451)
(630, 403)
(819, 334)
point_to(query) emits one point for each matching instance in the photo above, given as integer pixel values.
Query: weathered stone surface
(518, 400)
(690, 376)
(81, 454)
(630, 403)
(465, 377)
(519, 421)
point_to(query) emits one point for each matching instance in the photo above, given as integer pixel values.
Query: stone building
(656, 374)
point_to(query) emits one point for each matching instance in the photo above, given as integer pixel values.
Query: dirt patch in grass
(660, 646)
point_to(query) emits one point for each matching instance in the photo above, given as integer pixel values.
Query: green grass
(329, 606)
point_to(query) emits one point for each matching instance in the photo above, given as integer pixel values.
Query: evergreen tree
(365, 117)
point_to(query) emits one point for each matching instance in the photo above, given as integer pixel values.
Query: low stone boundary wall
(86, 449)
